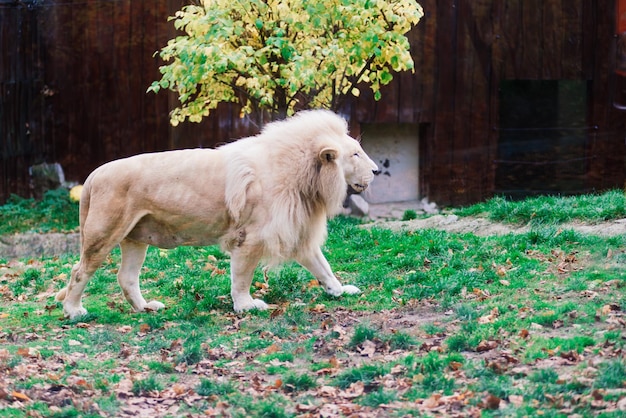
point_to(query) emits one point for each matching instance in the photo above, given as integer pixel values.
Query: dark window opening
(542, 147)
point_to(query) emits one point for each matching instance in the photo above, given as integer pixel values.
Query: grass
(54, 213)
(451, 320)
(550, 210)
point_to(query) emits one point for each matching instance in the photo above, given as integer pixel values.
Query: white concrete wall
(394, 147)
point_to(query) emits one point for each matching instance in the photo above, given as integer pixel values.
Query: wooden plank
(446, 62)
(126, 143)
(156, 105)
(607, 165)
(508, 19)
(482, 141)
(426, 105)
(577, 34)
(533, 33)
(554, 32)
(584, 45)
(462, 180)
(425, 67)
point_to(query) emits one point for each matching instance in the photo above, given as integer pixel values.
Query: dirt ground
(485, 227)
(388, 215)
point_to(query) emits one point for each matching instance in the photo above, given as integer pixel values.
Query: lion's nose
(376, 172)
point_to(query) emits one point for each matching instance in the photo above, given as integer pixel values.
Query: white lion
(263, 198)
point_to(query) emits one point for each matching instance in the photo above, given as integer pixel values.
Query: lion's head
(357, 167)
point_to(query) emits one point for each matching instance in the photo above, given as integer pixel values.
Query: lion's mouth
(358, 188)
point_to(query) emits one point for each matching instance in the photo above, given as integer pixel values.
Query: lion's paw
(154, 305)
(253, 304)
(73, 313)
(350, 290)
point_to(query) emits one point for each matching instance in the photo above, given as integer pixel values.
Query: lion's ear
(328, 155)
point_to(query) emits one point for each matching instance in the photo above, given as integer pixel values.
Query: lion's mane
(299, 188)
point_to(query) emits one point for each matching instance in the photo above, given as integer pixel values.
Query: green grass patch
(54, 213)
(550, 210)
(440, 314)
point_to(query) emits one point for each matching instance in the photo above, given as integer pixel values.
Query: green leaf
(385, 77)
(312, 49)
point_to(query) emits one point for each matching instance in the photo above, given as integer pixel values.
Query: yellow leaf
(75, 193)
(20, 396)
(272, 349)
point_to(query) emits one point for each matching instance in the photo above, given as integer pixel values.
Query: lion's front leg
(317, 264)
(243, 262)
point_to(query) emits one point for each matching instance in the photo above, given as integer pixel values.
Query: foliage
(279, 55)
(409, 215)
(55, 212)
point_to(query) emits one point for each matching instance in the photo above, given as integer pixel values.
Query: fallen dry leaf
(355, 390)
(432, 402)
(490, 318)
(611, 307)
(492, 402)
(319, 308)
(313, 283)
(327, 391)
(368, 348)
(486, 346)
(274, 348)
(20, 396)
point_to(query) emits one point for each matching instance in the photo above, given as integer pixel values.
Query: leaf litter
(60, 384)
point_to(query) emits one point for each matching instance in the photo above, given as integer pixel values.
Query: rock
(429, 207)
(358, 206)
(44, 177)
(38, 245)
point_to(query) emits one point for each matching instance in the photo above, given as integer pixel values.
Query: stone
(33, 245)
(358, 206)
(44, 177)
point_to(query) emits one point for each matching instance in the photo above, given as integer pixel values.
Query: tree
(282, 55)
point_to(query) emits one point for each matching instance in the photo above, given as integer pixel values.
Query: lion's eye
(356, 154)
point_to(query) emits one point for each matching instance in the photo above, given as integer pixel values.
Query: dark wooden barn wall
(463, 49)
(21, 112)
(73, 80)
(81, 70)
(99, 62)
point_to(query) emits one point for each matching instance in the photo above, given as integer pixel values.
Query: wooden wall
(73, 80)
(463, 50)
(90, 63)
(22, 129)
(99, 63)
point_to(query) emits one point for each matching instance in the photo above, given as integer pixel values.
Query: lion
(264, 198)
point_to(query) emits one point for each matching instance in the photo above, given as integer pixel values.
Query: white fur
(263, 198)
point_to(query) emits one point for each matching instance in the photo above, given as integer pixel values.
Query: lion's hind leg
(79, 277)
(243, 262)
(133, 256)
